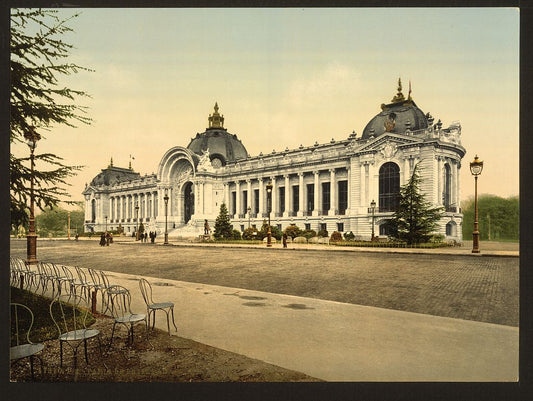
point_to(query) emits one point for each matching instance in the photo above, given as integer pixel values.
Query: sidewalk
(331, 340)
(486, 248)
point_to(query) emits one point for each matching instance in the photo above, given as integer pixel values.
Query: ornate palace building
(322, 186)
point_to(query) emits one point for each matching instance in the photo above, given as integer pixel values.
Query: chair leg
(174, 323)
(31, 367)
(112, 334)
(85, 347)
(61, 353)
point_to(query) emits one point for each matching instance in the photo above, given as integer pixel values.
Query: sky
(285, 77)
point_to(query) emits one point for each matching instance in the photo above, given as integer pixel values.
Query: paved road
(484, 289)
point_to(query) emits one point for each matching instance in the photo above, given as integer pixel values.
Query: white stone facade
(323, 186)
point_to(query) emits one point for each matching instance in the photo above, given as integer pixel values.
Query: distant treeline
(498, 218)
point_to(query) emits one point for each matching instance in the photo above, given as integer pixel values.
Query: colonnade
(315, 193)
(122, 207)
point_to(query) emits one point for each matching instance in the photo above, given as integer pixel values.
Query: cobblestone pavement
(483, 289)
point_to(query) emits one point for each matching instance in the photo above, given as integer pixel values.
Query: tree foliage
(416, 218)
(54, 222)
(37, 60)
(502, 213)
(223, 228)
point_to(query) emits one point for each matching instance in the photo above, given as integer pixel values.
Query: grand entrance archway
(188, 202)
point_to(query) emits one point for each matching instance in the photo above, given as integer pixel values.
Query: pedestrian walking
(102, 239)
(284, 240)
(107, 238)
(206, 228)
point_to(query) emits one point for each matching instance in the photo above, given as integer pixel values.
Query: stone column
(332, 192)
(237, 198)
(273, 199)
(287, 196)
(249, 195)
(261, 198)
(363, 184)
(301, 191)
(226, 195)
(455, 183)
(316, 194)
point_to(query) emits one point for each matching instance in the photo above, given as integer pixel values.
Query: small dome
(221, 144)
(114, 175)
(396, 117)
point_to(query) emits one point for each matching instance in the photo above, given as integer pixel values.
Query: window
(447, 190)
(340, 227)
(307, 226)
(281, 199)
(233, 202)
(310, 197)
(244, 202)
(389, 187)
(322, 226)
(295, 198)
(451, 229)
(279, 227)
(93, 211)
(343, 196)
(386, 229)
(242, 227)
(256, 201)
(326, 198)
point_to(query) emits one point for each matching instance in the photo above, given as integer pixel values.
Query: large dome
(398, 116)
(221, 144)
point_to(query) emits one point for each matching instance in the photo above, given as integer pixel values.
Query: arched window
(93, 210)
(447, 190)
(451, 229)
(386, 229)
(389, 187)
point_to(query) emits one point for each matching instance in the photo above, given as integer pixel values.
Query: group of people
(105, 239)
(143, 237)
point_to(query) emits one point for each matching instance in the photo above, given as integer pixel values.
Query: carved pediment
(387, 144)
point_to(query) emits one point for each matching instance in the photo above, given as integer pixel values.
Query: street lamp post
(476, 167)
(136, 221)
(68, 226)
(269, 207)
(105, 223)
(31, 250)
(249, 211)
(165, 198)
(373, 211)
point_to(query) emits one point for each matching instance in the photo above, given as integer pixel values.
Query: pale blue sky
(285, 77)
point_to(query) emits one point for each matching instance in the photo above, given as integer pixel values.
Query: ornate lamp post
(373, 211)
(31, 139)
(249, 211)
(136, 221)
(165, 198)
(105, 222)
(269, 207)
(476, 167)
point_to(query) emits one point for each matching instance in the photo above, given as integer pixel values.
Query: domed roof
(221, 144)
(113, 175)
(396, 117)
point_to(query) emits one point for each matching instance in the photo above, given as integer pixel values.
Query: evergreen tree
(223, 228)
(37, 58)
(415, 219)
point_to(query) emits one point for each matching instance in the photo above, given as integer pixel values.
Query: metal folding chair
(120, 300)
(21, 344)
(152, 307)
(70, 313)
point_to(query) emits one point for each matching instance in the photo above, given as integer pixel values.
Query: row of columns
(241, 205)
(122, 207)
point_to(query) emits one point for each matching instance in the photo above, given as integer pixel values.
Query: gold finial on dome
(111, 163)
(399, 96)
(216, 120)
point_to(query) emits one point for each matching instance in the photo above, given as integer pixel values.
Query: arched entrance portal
(188, 199)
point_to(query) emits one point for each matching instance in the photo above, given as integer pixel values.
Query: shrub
(308, 234)
(250, 233)
(293, 231)
(349, 236)
(336, 237)
(236, 234)
(323, 233)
